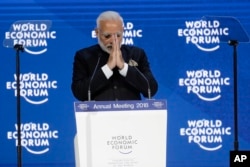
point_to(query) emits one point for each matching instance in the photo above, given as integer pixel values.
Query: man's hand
(115, 57)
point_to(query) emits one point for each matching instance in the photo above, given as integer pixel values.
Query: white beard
(104, 48)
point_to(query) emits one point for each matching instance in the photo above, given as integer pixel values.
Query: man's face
(107, 32)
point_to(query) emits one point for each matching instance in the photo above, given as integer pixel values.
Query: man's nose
(111, 39)
(113, 36)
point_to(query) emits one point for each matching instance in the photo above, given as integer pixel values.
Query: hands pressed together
(115, 57)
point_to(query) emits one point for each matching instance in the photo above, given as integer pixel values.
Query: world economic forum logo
(35, 137)
(207, 134)
(206, 84)
(122, 144)
(34, 87)
(204, 34)
(32, 34)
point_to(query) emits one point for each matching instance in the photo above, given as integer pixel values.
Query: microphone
(149, 90)
(233, 42)
(89, 90)
(19, 47)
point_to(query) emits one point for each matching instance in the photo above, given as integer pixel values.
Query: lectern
(121, 133)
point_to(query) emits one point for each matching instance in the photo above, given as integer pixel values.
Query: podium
(121, 133)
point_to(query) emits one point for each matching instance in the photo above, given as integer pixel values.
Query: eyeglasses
(109, 35)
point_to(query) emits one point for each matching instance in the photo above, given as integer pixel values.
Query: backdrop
(186, 42)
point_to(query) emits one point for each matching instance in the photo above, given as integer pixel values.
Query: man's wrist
(107, 71)
(122, 67)
(124, 70)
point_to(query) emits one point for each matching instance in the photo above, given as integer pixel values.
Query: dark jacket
(138, 81)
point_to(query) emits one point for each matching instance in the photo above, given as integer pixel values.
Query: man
(110, 70)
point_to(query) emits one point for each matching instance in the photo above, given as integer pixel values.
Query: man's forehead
(111, 24)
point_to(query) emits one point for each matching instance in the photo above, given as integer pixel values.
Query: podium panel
(121, 133)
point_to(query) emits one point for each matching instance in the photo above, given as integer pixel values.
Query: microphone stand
(18, 48)
(149, 90)
(90, 81)
(234, 43)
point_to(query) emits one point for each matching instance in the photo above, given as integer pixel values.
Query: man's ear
(96, 31)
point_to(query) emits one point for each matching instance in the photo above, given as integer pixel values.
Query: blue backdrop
(191, 62)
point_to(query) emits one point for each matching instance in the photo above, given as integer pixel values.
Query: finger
(115, 42)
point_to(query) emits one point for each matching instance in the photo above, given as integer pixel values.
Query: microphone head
(19, 47)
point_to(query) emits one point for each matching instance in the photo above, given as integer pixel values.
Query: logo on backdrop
(35, 137)
(32, 34)
(34, 88)
(207, 134)
(206, 84)
(205, 35)
(122, 144)
(128, 35)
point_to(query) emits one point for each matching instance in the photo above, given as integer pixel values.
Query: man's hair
(108, 15)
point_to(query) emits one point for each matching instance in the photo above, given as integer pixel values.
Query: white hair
(108, 15)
